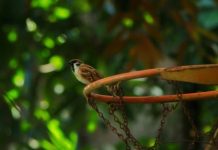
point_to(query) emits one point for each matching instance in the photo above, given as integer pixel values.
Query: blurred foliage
(39, 37)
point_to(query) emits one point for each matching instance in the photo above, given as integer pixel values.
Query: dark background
(39, 37)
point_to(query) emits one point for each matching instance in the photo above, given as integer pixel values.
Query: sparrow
(86, 74)
(83, 72)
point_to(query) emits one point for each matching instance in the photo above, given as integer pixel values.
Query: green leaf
(47, 145)
(58, 138)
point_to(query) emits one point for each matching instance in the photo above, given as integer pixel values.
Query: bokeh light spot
(31, 25)
(61, 13)
(207, 129)
(148, 18)
(59, 88)
(57, 62)
(33, 143)
(13, 63)
(45, 53)
(127, 22)
(151, 142)
(15, 113)
(25, 125)
(42, 114)
(37, 36)
(45, 4)
(82, 6)
(91, 126)
(12, 94)
(74, 139)
(44, 104)
(12, 36)
(49, 42)
(139, 90)
(61, 39)
(156, 91)
(18, 78)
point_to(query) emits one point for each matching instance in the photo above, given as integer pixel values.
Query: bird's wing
(89, 73)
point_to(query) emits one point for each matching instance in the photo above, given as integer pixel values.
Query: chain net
(117, 112)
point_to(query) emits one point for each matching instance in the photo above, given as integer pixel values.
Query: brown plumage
(87, 74)
(83, 72)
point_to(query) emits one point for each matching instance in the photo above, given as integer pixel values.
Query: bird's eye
(77, 64)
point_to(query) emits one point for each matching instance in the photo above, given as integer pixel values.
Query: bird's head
(75, 63)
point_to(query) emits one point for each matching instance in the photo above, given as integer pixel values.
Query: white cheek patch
(74, 67)
(78, 76)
